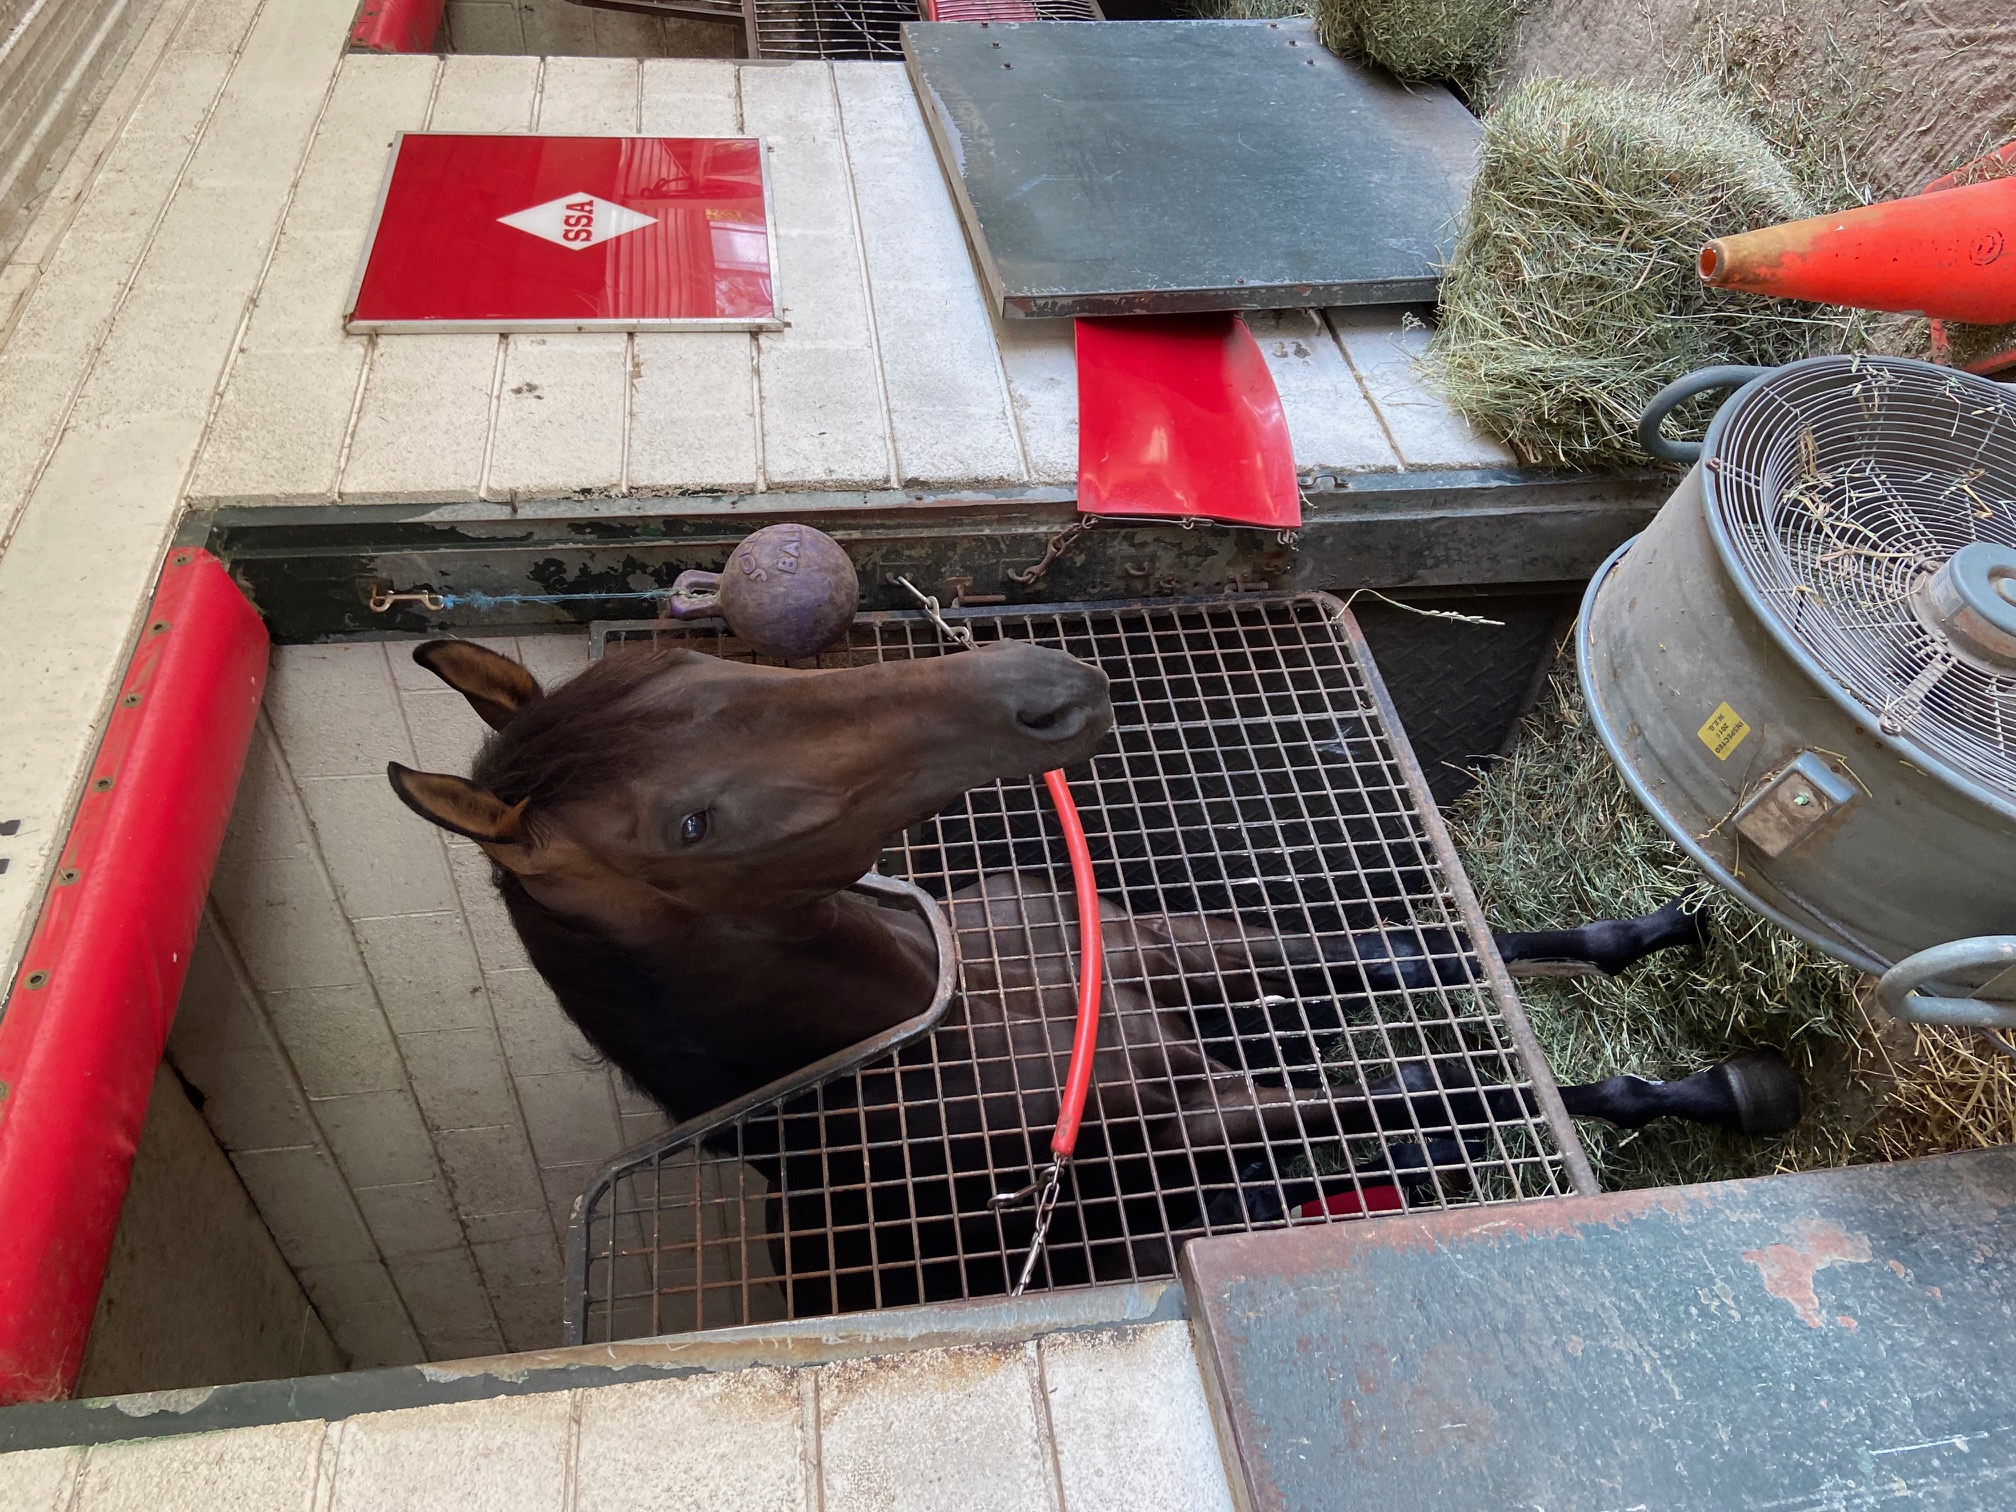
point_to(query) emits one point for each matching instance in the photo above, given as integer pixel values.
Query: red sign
(530, 233)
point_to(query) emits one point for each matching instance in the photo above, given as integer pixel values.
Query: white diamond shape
(578, 221)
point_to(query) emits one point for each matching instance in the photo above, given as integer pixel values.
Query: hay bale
(1572, 295)
(1550, 836)
(1245, 10)
(1417, 41)
(1457, 41)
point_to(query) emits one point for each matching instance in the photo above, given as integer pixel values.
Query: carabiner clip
(1047, 1188)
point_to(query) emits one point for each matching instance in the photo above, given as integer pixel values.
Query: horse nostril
(1057, 721)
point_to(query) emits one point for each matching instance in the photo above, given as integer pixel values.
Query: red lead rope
(1091, 963)
(1049, 1182)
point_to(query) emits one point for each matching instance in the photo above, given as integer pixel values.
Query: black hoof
(1688, 923)
(1765, 1091)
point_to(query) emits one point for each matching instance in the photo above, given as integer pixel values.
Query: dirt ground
(1901, 90)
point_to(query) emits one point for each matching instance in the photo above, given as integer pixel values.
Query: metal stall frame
(604, 1207)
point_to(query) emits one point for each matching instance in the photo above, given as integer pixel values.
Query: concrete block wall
(59, 62)
(399, 1091)
(196, 1293)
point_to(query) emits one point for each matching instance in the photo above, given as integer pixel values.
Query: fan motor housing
(1820, 808)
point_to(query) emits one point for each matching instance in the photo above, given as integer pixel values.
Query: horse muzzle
(1056, 709)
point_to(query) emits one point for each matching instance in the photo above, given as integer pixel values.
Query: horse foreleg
(1606, 945)
(1755, 1093)
(1240, 1113)
(1388, 960)
(1415, 1101)
(1752, 1093)
(1207, 947)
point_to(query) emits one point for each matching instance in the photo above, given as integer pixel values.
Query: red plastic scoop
(1178, 418)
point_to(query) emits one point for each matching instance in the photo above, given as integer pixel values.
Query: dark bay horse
(675, 835)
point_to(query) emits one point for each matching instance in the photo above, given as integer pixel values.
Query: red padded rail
(397, 26)
(84, 1023)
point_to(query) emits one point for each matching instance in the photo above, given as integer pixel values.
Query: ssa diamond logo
(578, 221)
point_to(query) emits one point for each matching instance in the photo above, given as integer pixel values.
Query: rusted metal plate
(311, 570)
(1830, 1340)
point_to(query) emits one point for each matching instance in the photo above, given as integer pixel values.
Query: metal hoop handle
(1708, 379)
(1898, 989)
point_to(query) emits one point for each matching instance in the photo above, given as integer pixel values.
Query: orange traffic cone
(1949, 254)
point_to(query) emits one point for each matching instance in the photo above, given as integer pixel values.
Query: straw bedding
(1550, 836)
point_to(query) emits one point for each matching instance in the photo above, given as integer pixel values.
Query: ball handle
(694, 595)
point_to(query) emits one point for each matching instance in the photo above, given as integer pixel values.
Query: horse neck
(725, 1003)
(804, 982)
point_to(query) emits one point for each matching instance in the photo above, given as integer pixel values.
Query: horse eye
(693, 828)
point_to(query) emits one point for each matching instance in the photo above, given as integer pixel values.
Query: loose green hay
(1572, 295)
(1550, 837)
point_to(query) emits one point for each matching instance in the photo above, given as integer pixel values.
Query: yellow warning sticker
(1723, 732)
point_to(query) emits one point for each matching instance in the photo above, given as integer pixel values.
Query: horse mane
(576, 741)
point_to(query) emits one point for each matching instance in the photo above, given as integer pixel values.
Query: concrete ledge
(818, 1341)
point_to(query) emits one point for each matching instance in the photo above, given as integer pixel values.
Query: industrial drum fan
(1806, 667)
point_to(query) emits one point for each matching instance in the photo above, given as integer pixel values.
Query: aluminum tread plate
(1168, 166)
(1830, 1339)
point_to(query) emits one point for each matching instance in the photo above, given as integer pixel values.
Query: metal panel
(1827, 1340)
(489, 231)
(1169, 166)
(1256, 771)
(1462, 687)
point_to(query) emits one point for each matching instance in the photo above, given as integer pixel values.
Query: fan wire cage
(1256, 771)
(1839, 486)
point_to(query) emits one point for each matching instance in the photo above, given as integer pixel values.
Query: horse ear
(459, 806)
(496, 686)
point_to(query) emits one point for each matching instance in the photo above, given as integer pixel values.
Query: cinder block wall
(398, 1090)
(196, 1293)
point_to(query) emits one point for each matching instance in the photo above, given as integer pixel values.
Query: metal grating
(1837, 485)
(873, 29)
(1255, 771)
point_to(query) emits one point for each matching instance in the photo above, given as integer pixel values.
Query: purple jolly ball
(789, 591)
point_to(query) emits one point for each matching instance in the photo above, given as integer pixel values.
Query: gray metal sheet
(1161, 166)
(1836, 1339)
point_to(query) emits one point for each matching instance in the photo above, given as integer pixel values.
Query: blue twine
(500, 600)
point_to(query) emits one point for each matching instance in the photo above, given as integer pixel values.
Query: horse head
(672, 780)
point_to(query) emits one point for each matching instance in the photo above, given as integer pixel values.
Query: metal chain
(958, 634)
(1057, 545)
